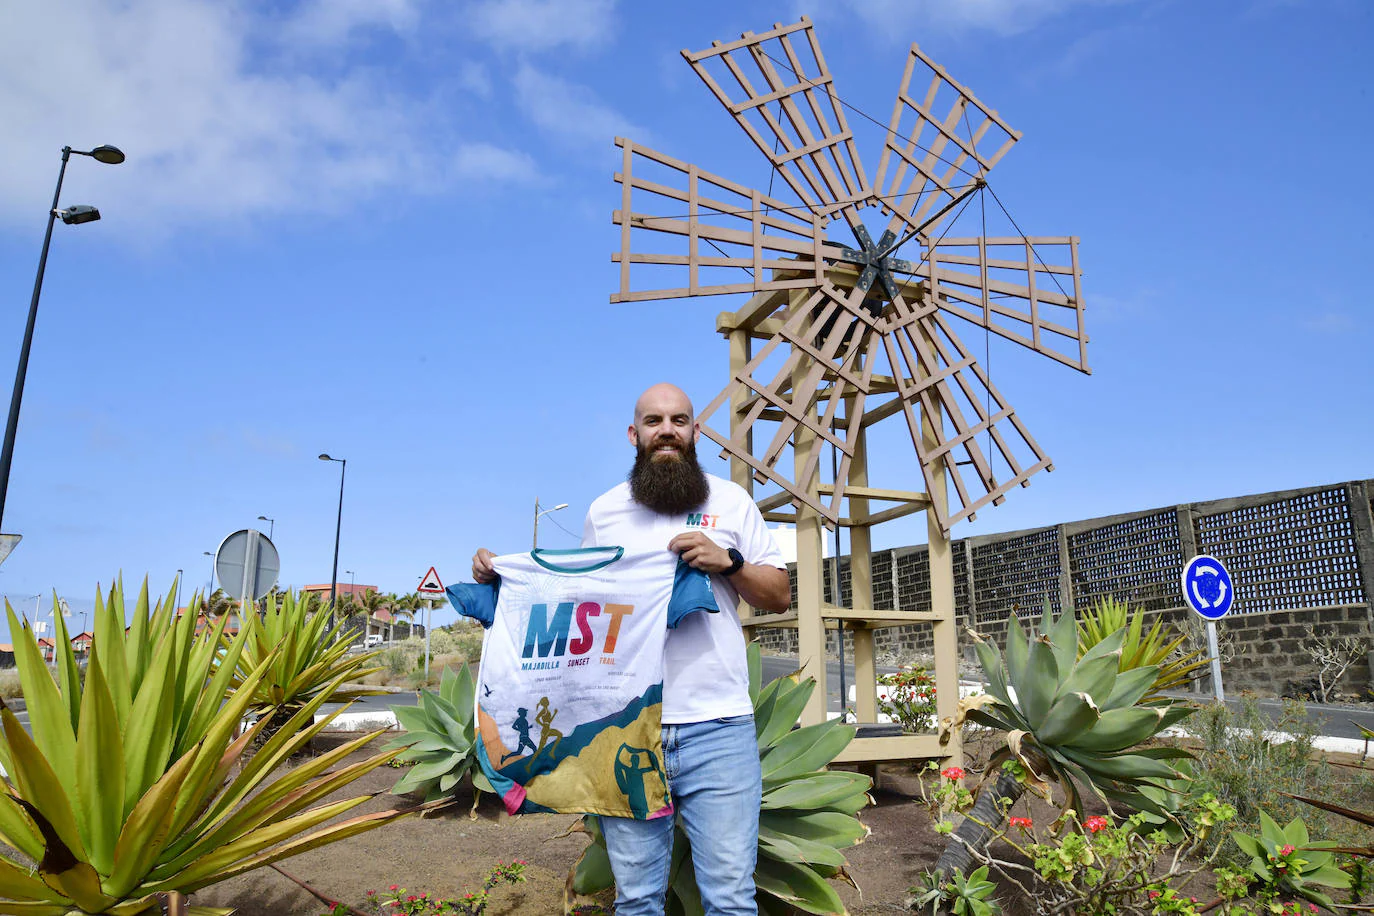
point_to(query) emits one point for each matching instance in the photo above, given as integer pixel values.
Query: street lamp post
(338, 527)
(210, 589)
(71, 216)
(541, 512)
(178, 606)
(272, 525)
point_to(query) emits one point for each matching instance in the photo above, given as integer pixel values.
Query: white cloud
(333, 22)
(483, 161)
(538, 25)
(899, 19)
(568, 111)
(213, 130)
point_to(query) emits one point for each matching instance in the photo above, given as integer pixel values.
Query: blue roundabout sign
(1207, 587)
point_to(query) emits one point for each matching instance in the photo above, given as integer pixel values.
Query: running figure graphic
(544, 716)
(522, 726)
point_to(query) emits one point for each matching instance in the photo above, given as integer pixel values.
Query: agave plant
(440, 740)
(809, 816)
(1068, 720)
(1139, 647)
(134, 784)
(307, 656)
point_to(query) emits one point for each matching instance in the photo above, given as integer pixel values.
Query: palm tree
(372, 603)
(408, 604)
(217, 604)
(344, 606)
(312, 601)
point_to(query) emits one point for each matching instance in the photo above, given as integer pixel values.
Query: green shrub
(10, 687)
(1241, 765)
(441, 642)
(397, 661)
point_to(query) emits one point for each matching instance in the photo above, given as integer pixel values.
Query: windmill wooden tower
(841, 333)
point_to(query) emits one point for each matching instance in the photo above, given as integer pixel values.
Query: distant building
(81, 644)
(341, 588)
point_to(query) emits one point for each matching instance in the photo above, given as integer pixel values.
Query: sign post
(430, 587)
(1208, 590)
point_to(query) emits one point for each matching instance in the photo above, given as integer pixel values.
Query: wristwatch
(736, 562)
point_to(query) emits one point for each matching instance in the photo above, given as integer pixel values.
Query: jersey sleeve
(756, 543)
(691, 593)
(475, 600)
(589, 531)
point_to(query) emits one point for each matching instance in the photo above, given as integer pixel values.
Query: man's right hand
(482, 570)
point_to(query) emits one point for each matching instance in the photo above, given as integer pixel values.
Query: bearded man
(709, 747)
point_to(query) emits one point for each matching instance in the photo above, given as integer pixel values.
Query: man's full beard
(670, 486)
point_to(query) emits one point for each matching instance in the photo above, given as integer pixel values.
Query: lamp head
(560, 506)
(80, 213)
(110, 155)
(263, 518)
(325, 458)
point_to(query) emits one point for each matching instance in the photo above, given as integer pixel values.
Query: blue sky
(382, 230)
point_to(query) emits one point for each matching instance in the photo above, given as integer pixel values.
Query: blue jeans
(713, 772)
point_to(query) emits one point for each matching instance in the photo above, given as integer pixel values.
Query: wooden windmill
(843, 332)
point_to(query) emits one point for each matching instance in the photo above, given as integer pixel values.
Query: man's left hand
(700, 552)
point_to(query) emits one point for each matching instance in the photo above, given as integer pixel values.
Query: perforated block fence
(1302, 562)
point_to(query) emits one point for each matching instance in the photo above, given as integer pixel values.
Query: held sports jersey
(570, 688)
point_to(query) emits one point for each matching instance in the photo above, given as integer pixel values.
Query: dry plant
(1334, 656)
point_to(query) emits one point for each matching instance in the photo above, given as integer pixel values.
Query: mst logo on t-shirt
(703, 520)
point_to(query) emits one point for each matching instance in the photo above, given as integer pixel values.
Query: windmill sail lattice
(856, 334)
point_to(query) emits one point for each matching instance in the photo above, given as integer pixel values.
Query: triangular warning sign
(431, 585)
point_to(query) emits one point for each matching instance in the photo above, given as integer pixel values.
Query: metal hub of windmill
(857, 334)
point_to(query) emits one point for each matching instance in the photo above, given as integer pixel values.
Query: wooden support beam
(946, 643)
(903, 747)
(861, 577)
(810, 625)
(859, 496)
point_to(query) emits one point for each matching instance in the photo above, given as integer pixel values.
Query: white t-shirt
(705, 668)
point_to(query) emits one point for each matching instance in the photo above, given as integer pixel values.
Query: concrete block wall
(1299, 558)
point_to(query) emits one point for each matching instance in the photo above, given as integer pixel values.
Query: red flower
(394, 887)
(1096, 823)
(1022, 822)
(1154, 894)
(1286, 850)
(955, 773)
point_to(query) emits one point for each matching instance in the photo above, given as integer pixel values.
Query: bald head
(663, 415)
(664, 397)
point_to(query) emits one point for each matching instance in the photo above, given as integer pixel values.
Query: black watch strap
(736, 562)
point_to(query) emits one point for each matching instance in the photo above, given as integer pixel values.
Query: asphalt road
(1332, 721)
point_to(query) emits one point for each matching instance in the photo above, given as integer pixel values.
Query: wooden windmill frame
(850, 335)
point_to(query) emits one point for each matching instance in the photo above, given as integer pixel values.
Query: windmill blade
(1018, 288)
(716, 236)
(939, 147)
(823, 342)
(785, 101)
(962, 405)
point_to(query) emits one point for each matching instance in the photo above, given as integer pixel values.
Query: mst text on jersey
(549, 636)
